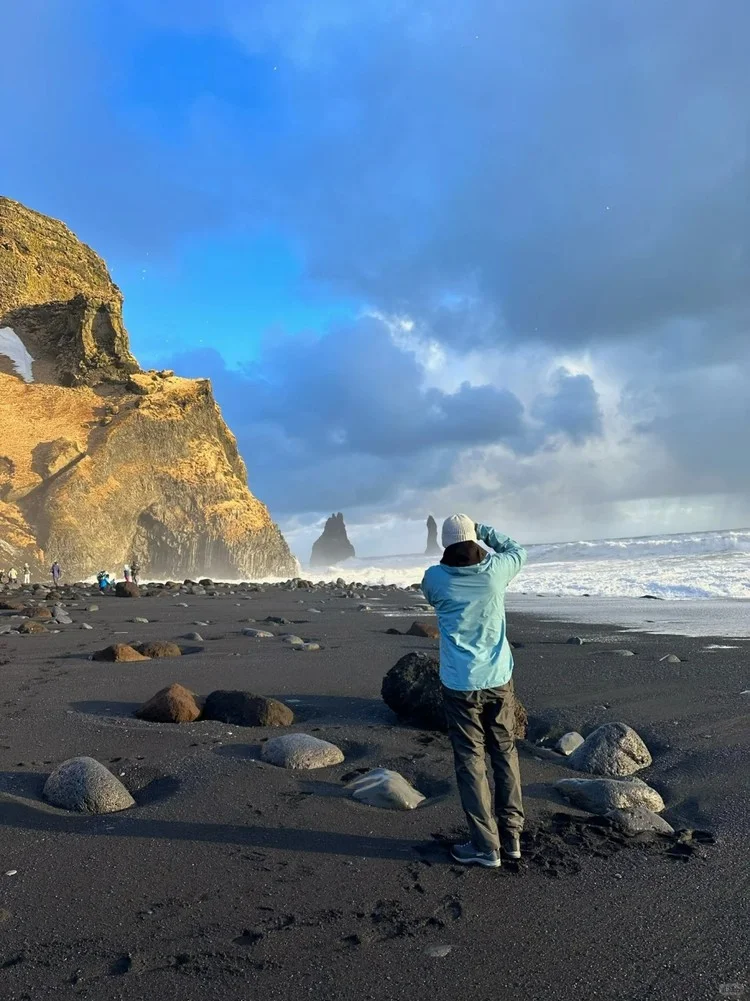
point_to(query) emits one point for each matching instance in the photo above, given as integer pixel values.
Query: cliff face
(101, 463)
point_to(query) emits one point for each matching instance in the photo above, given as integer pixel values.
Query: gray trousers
(480, 723)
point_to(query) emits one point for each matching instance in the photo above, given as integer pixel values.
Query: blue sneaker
(468, 855)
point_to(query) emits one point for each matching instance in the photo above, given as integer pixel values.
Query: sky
(489, 257)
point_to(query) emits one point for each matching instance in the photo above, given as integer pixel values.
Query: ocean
(689, 565)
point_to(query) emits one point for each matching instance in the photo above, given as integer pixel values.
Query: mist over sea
(688, 565)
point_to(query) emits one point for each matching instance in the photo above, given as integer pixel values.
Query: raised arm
(513, 556)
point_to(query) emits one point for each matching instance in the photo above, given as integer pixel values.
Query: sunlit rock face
(100, 462)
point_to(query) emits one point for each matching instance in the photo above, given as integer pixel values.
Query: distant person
(467, 591)
(135, 571)
(126, 572)
(104, 580)
(26, 574)
(56, 573)
(2, 576)
(12, 575)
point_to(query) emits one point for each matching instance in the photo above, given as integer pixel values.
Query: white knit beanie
(458, 528)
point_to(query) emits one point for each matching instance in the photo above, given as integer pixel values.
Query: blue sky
(486, 256)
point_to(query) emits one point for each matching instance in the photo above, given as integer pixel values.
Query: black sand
(231, 879)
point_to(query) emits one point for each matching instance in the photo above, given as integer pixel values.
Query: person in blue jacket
(467, 591)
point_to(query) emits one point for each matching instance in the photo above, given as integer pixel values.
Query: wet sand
(232, 879)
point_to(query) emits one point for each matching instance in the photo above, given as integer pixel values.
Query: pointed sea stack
(333, 546)
(433, 547)
(100, 460)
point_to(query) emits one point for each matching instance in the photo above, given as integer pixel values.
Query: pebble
(11, 872)
(258, 634)
(196, 637)
(438, 951)
(309, 647)
(671, 658)
(293, 640)
(85, 625)
(575, 641)
(93, 608)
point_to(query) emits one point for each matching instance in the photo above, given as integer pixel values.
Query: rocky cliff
(100, 462)
(333, 546)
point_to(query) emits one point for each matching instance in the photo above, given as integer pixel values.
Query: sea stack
(333, 546)
(433, 547)
(101, 462)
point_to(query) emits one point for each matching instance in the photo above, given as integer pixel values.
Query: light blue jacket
(470, 606)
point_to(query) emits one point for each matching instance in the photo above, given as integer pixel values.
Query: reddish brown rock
(119, 653)
(173, 704)
(159, 648)
(29, 627)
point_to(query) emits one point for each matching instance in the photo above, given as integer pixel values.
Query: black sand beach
(233, 879)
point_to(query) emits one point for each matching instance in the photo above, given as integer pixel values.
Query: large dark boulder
(127, 589)
(412, 690)
(246, 709)
(433, 546)
(333, 546)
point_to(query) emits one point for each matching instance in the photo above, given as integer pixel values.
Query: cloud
(350, 420)
(555, 195)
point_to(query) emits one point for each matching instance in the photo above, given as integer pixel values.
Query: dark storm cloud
(345, 416)
(566, 170)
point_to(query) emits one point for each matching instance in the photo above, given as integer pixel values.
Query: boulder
(639, 819)
(333, 546)
(412, 690)
(433, 546)
(173, 704)
(300, 750)
(602, 795)
(8, 605)
(569, 742)
(385, 788)
(37, 612)
(159, 648)
(127, 589)
(61, 616)
(246, 709)
(31, 627)
(119, 653)
(424, 629)
(258, 634)
(86, 786)
(612, 749)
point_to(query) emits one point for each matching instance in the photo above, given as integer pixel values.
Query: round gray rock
(602, 795)
(86, 786)
(612, 749)
(300, 750)
(386, 789)
(638, 819)
(258, 634)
